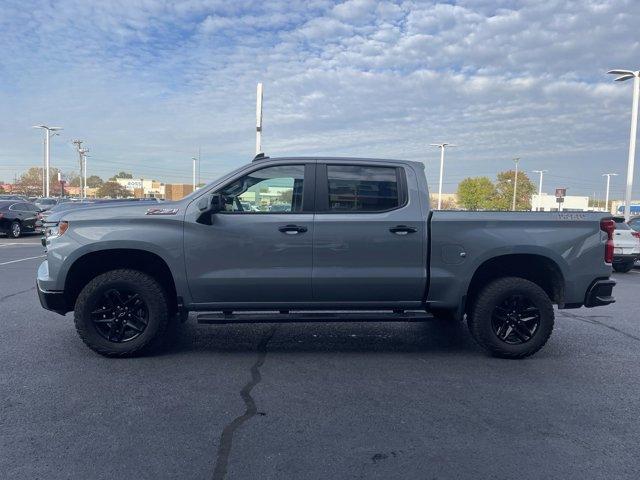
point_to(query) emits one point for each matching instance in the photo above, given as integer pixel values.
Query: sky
(145, 83)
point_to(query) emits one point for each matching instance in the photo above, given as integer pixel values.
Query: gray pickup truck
(320, 239)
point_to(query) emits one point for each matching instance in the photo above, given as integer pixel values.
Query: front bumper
(54, 301)
(599, 293)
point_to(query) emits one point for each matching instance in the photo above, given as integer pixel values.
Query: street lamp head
(51, 129)
(442, 145)
(609, 174)
(624, 74)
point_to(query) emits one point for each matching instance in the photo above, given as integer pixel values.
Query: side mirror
(216, 203)
(211, 203)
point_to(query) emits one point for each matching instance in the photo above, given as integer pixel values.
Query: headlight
(55, 230)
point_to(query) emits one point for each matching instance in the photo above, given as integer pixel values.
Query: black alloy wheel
(516, 320)
(120, 315)
(511, 317)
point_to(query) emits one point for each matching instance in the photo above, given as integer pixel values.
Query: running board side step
(306, 316)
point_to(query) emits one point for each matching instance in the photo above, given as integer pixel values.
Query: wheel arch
(539, 269)
(92, 264)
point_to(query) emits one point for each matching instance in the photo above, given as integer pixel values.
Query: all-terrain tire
(481, 319)
(623, 267)
(148, 291)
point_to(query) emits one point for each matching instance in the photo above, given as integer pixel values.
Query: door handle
(292, 229)
(402, 230)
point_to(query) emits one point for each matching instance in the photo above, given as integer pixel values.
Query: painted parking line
(21, 244)
(22, 260)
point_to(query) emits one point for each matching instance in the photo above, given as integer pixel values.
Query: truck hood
(120, 211)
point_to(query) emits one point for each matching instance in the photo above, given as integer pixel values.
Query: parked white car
(626, 246)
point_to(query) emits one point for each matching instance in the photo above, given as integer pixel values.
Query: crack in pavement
(226, 438)
(2, 299)
(592, 321)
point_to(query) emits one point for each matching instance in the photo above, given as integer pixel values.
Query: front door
(369, 237)
(259, 250)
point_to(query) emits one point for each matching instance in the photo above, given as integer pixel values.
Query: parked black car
(17, 217)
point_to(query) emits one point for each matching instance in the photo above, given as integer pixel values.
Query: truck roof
(262, 158)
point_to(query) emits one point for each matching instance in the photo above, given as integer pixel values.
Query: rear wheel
(623, 267)
(16, 230)
(511, 318)
(122, 313)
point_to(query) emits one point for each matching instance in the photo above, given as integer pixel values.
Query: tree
(94, 181)
(1, 189)
(476, 193)
(504, 191)
(30, 182)
(112, 190)
(121, 175)
(74, 180)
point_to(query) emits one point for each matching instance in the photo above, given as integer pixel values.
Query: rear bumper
(54, 301)
(600, 293)
(625, 258)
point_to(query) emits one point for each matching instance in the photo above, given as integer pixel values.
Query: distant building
(143, 188)
(548, 203)
(617, 207)
(176, 191)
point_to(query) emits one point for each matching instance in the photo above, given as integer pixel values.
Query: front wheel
(122, 313)
(511, 318)
(16, 230)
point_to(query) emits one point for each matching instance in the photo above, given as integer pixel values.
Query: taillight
(1, 214)
(608, 226)
(635, 234)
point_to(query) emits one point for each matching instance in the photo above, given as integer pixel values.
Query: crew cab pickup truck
(296, 239)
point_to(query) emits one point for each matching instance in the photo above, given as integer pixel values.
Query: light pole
(194, 172)
(606, 198)
(626, 75)
(441, 146)
(515, 184)
(541, 172)
(48, 132)
(84, 169)
(259, 93)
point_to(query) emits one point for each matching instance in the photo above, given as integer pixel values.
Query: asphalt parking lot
(359, 400)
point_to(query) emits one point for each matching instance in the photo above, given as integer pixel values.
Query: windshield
(47, 201)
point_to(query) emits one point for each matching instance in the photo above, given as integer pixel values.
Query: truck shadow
(437, 336)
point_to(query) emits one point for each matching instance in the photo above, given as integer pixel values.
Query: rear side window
(362, 188)
(621, 225)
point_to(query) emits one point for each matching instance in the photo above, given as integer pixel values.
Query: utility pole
(606, 198)
(441, 146)
(48, 133)
(626, 75)
(515, 184)
(541, 172)
(259, 94)
(78, 144)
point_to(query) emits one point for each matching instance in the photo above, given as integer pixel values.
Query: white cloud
(145, 82)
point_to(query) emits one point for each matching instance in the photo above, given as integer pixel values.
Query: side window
(362, 188)
(19, 207)
(275, 189)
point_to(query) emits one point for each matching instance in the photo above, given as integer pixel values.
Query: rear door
(25, 214)
(368, 235)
